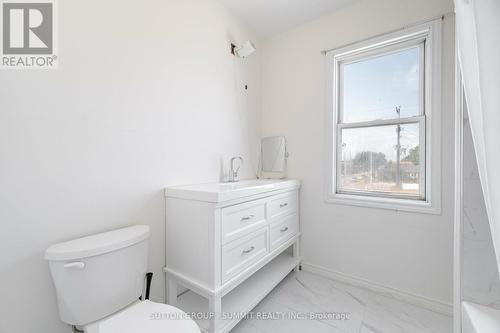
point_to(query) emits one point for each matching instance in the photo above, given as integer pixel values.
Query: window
(383, 142)
(381, 113)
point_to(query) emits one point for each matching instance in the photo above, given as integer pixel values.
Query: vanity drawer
(282, 205)
(283, 230)
(242, 219)
(244, 252)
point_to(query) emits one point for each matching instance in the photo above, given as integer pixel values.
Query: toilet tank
(98, 275)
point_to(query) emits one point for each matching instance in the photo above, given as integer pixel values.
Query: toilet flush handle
(75, 265)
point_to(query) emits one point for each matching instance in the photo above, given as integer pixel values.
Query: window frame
(427, 37)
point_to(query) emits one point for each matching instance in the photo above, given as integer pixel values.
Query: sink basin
(245, 184)
(221, 192)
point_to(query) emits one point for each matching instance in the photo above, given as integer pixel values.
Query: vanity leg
(296, 254)
(171, 291)
(215, 309)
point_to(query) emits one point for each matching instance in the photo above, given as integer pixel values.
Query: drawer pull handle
(284, 229)
(250, 249)
(283, 204)
(246, 218)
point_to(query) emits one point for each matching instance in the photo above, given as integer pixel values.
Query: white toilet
(99, 280)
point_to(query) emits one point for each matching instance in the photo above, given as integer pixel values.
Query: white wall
(145, 97)
(407, 251)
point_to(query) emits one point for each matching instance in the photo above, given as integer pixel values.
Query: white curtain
(478, 32)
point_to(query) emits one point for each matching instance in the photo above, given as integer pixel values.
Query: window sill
(394, 204)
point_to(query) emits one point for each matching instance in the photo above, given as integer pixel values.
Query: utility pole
(398, 150)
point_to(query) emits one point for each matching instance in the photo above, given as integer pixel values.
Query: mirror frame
(269, 174)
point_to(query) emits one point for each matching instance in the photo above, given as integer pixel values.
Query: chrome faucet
(233, 174)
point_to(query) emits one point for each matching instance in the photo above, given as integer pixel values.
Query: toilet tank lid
(97, 244)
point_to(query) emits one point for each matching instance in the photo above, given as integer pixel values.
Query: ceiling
(269, 17)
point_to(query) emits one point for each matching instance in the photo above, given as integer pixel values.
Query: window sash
(422, 180)
(379, 52)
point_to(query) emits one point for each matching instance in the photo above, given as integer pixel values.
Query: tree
(413, 155)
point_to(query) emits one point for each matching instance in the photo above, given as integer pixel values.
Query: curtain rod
(442, 17)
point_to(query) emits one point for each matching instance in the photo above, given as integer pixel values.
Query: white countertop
(220, 192)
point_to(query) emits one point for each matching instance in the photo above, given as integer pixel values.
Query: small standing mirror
(273, 157)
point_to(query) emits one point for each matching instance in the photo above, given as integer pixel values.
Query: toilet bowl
(99, 280)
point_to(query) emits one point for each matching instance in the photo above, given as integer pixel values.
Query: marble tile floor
(302, 293)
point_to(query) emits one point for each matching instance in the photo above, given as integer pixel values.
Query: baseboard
(421, 301)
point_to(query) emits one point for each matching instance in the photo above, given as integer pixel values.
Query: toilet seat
(145, 317)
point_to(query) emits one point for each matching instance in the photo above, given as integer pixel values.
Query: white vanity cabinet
(228, 245)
